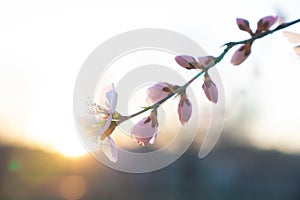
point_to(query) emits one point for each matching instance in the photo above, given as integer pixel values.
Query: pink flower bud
(157, 92)
(145, 131)
(109, 148)
(210, 89)
(241, 54)
(188, 62)
(265, 23)
(184, 109)
(205, 61)
(243, 25)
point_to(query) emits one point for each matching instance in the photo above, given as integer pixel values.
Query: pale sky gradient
(44, 44)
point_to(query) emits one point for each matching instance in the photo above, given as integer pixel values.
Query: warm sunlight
(149, 100)
(38, 91)
(71, 150)
(59, 135)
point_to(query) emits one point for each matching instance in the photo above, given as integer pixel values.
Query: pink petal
(102, 100)
(184, 110)
(265, 23)
(241, 54)
(187, 62)
(210, 90)
(143, 131)
(111, 99)
(157, 92)
(292, 37)
(109, 148)
(243, 25)
(297, 50)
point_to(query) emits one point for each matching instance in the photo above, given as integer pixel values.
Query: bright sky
(44, 44)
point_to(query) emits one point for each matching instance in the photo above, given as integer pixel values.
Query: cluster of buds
(103, 118)
(160, 91)
(203, 63)
(244, 51)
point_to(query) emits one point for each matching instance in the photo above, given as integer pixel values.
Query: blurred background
(42, 47)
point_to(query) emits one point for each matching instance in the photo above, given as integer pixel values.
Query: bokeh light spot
(13, 166)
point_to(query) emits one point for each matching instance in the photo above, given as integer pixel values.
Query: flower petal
(292, 37)
(143, 131)
(297, 50)
(241, 54)
(184, 110)
(157, 92)
(243, 25)
(89, 127)
(265, 23)
(101, 100)
(109, 148)
(187, 62)
(153, 139)
(111, 99)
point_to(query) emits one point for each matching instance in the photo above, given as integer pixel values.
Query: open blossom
(106, 113)
(158, 92)
(210, 89)
(184, 109)
(99, 124)
(145, 131)
(190, 62)
(244, 51)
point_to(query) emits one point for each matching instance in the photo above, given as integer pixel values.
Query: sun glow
(72, 149)
(55, 134)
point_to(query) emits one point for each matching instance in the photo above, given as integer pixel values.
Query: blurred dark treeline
(230, 172)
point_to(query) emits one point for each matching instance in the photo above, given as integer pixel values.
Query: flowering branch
(216, 60)
(145, 131)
